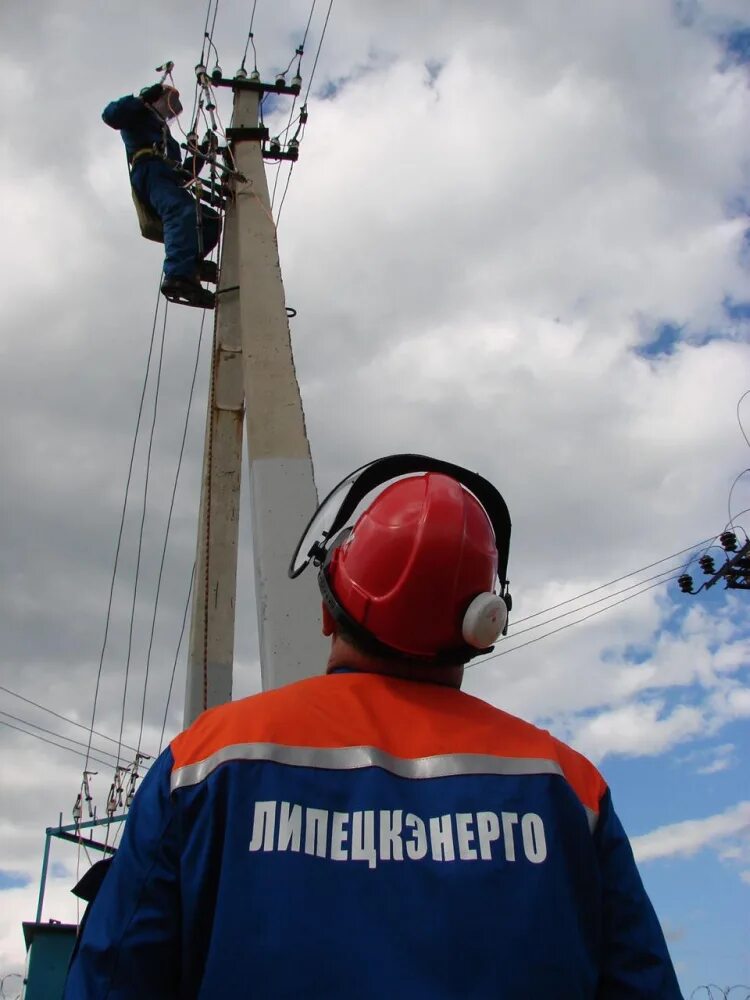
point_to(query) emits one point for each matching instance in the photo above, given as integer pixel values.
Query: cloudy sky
(516, 239)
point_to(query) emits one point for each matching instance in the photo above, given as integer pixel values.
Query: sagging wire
(530, 642)
(88, 757)
(249, 41)
(169, 522)
(52, 732)
(64, 718)
(140, 533)
(739, 419)
(661, 578)
(176, 658)
(122, 519)
(317, 54)
(303, 112)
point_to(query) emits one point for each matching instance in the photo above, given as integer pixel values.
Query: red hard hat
(413, 563)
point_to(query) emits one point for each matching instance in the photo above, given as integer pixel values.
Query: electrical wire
(64, 718)
(283, 197)
(140, 533)
(124, 509)
(670, 573)
(739, 419)
(661, 579)
(51, 732)
(87, 756)
(176, 657)
(729, 498)
(317, 54)
(530, 642)
(169, 523)
(618, 579)
(250, 39)
(205, 31)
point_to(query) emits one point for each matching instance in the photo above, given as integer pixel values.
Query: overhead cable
(617, 579)
(52, 732)
(140, 531)
(169, 523)
(61, 746)
(64, 718)
(124, 509)
(317, 54)
(250, 39)
(739, 419)
(554, 631)
(176, 657)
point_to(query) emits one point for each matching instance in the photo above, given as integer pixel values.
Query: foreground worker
(374, 832)
(189, 231)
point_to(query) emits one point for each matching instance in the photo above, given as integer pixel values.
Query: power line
(124, 509)
(169, 522)
(670, 573)
(176, 657)
(250, 39)
(529, 642)
(61, 746)
(51, 732)
(64, 718)
(617, 579)
(317, 54)
(739, 419)
(140, 532)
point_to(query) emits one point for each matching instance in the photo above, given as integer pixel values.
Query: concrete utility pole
(211, 646)
(252, 318)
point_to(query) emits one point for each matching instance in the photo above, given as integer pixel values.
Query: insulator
(706, 563)
(274, 146)
(77, 809)
(297, 81)
(255, 76)
(280, 80)
(293, 147)
(685, 583)
(192, 138)
(216, 74)
(303, 116)
(200, 71)
(241, 74)
(129, 799)
(728, 541)
(112, 801)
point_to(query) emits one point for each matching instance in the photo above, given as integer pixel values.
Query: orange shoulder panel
(404, 718)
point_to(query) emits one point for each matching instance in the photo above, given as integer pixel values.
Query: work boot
(188, 292)
(208, 270)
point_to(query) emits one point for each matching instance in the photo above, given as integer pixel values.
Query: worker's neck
(344, 655)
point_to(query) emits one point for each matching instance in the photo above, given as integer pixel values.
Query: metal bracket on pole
(241, 134)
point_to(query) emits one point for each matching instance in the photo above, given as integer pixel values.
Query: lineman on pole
(375, 832)
(167, 212)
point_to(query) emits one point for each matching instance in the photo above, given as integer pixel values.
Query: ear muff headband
(373, 474)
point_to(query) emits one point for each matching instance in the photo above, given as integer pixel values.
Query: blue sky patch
(663, 343)
(13, 880)
(737, 44)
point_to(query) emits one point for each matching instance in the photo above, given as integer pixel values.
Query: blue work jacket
(141, 127)
(359, 836)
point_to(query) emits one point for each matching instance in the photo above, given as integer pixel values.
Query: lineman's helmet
(416, 576)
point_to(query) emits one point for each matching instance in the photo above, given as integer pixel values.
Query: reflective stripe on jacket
(359, 836)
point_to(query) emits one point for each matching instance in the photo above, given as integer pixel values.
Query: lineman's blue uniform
(360, 836)
(157, 184)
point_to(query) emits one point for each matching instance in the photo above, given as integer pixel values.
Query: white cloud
(690, 836)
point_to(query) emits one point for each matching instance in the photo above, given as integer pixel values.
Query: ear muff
(484, 621)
